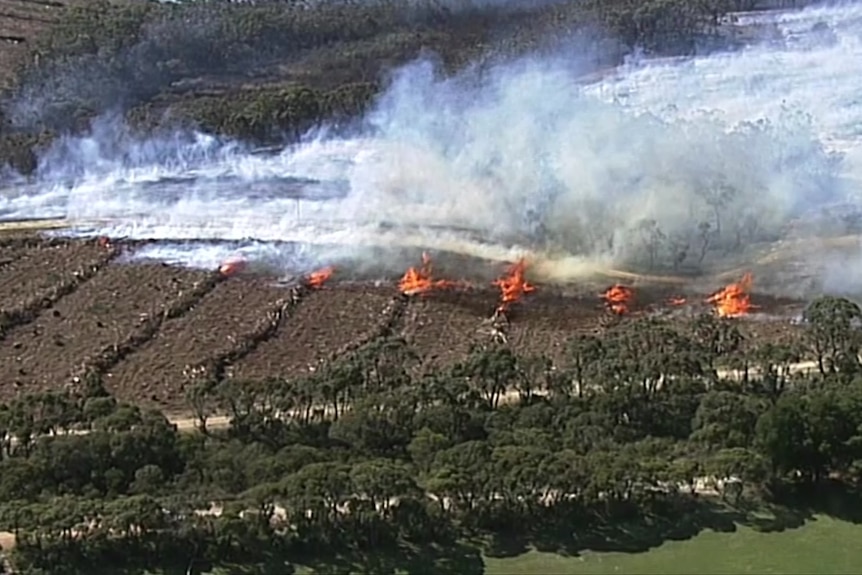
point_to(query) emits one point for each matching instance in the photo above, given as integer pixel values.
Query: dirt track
(164, 319)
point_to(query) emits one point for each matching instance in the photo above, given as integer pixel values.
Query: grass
(822, 545)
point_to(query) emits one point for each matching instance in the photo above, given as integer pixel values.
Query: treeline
(268, 69)
(374, 459)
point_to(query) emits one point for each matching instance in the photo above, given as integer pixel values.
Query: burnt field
(73, 306)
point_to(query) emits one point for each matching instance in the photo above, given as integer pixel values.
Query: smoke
(659, 167)
(527, 154)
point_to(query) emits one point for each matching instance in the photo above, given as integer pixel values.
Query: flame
(733, 301)
(418, 281)
(618, 297)
(676, 301)
(232, 266)
(318, 278)
(513, 286)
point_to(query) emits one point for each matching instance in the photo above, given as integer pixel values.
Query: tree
(318, 491)
(490, 372)
(585, 354)
(733, 468)
(726, 419)
(832, 327)
(459, 476)
(717, 197)
(652, 238)
(784, 438)
(384, 482)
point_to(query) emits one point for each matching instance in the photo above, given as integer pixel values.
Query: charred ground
(68, 303)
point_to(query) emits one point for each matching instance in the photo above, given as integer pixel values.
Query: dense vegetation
(274, 68)
(375, 462)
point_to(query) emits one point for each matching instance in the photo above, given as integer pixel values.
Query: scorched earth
(72, 306)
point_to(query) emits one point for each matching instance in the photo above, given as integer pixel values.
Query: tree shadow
(258, 559)
(504, 545)
(570, 532)
(828, 497)
(451, 559)
(639, 533)
(771, 517)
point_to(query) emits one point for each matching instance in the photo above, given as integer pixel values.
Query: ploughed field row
(103, 313)
(324, 325)
(68, 309)
(215, 326)
(31, 271)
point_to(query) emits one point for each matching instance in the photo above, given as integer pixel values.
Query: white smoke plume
(655, 165)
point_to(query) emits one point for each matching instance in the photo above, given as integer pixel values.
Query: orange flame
(618, 297)
(676, 301)
(232, 266)
(733, 301)
(418, 281)
(318, 278)
(513, 286)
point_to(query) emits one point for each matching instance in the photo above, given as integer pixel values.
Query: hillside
(270, 70)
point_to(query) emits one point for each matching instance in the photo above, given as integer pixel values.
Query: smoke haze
(642, 168)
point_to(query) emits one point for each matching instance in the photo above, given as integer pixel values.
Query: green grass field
(822, 545)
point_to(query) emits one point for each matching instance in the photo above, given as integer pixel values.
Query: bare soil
(325, 322)
(21, 22)
(543, 325)
(442, 326)
(212, 327)
(102, 312)
(29, 272)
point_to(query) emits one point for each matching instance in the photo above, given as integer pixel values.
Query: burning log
(733, 300)
(618, 298)
(513, 286)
